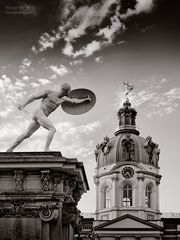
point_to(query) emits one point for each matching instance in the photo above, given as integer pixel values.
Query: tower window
(127, 195)
(148, 193)
(106, 197)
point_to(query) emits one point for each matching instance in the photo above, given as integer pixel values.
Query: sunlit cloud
(43, 81)
(59, 70)
(99, 59)
(77, 22)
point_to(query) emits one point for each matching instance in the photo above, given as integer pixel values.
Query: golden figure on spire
(128, 88)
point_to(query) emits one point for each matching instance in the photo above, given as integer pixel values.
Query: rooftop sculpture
(77, 101)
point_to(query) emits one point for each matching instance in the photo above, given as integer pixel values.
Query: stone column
(96, 181)
(56, 226)
(114, 190)
(141, 191)
(45, 231)
(157, 194)
(51, 217)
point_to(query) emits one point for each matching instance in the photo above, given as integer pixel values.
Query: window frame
(127, 195)
(107, 199)
(148, 196)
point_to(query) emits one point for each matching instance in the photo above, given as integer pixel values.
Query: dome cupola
(127, 118)
(127, 145)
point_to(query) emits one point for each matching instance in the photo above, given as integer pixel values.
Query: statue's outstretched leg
(34, 125)
(47, 124)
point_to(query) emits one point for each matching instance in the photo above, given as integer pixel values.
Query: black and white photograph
(89, 119)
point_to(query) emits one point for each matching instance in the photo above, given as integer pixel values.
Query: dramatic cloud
(109, 32)
(76, 62)
(35, 85)
(60, 71)
(43, 81)
(25, 78)
(88, 50)
(77, 22)
(141, 6)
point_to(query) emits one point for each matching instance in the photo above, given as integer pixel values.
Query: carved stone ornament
(69, 185)
(55, 182)
(128, 148)
(45, 178)
(47, 213)
(92, 235)
(152, 150)
(77, 193)
(19, 180)
(18, 208)
(105, 147)
(70, 214)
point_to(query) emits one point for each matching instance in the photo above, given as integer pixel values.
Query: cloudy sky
(95, 45)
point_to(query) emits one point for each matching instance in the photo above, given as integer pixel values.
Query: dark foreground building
(39, 192)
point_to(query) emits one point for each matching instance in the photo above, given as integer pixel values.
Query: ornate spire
(126, 114)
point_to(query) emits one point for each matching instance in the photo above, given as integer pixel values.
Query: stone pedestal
(39, 192)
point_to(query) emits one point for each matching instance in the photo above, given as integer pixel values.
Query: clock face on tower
(127, 172)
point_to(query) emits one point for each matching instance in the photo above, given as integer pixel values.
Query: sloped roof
(128, 223)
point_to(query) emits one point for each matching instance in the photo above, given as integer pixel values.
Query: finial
(129, 87)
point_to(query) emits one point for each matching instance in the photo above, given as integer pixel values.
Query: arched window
(106, 197)
(148, 193)
(127, 195)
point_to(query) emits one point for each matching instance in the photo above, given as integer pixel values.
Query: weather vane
(129, 87)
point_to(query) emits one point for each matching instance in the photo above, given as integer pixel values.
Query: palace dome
(127, 145)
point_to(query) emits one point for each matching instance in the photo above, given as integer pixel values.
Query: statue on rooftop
(128, 88)
(51, 100)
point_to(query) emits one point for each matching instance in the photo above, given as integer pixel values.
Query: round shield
(79, 108)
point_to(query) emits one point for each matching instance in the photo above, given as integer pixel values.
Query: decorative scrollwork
(70, 214)
(105, 147)
(69, 185)
(77, 194)
(90, 235)
(47, 213)
(55, 182)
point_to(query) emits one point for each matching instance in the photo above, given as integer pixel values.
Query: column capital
(114, 178)
(140, 177)
(96, 181)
